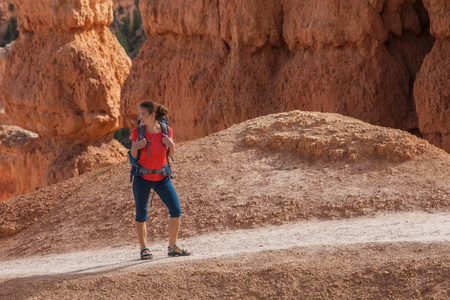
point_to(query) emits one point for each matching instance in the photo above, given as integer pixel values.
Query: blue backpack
(136, 168)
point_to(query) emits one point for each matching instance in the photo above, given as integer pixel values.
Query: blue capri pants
(165, 191)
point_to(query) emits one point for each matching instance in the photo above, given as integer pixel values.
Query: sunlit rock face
(62, 81)
(65, 71)
(217, 63)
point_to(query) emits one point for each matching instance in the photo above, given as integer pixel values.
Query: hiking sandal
(147, 255)
(173, 253)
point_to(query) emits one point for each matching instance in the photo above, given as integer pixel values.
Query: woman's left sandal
(147, 255)
(174, 253)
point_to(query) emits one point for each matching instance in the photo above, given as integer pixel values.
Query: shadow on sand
(29, 286)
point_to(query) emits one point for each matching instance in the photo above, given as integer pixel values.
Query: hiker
(152, 151)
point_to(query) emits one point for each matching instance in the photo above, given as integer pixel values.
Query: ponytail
(161, 111)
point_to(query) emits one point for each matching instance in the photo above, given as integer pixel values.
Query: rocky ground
(293, 205)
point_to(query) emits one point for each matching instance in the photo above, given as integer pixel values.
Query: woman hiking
(159, 147)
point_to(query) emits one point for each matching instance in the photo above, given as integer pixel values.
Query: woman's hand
(140, 144)
(167, 141)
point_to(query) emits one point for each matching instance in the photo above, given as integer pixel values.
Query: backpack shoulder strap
(141, 131)
(165, 129)
(164, 125)
(141, 135)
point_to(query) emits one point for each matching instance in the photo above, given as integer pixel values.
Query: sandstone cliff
(5, 15)
(3, 53)
(12, 139)
(218, 63)
(62, 81)
(432, 87)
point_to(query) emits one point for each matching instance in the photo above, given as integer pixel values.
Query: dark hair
(152, 107)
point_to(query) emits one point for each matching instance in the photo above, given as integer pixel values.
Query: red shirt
(157, 150)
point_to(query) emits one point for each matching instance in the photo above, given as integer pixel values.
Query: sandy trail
(383, 228)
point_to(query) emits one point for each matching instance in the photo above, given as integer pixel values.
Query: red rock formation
(128, 5)
(52, 167)
(3, 52)
(432, 87)
(218, 63)
(12, 139)
(5, 15)
(80, 104)
(439, 11)
(77, 67)
(179, 64)
(3, 9)
(62, 80)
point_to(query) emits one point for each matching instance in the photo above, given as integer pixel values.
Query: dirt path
(385, 228)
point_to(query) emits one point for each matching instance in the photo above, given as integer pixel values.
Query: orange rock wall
(42, 16)
(7, 133)
(179, 64)
(62, 80)
(5, 15)
(217, 63)
(214, 64)
(81, 104)
(432, 87)
(51, 167)
(11, 140)
(3, 53)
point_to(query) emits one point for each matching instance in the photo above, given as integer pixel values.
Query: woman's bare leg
(141, 232)
(174, 227)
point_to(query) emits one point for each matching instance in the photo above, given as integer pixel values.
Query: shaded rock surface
(5, 15)
(432, 87)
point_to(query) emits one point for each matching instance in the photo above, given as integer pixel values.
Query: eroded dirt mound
(332, 137)
(225, 183)
(21, 212)
(25, 210)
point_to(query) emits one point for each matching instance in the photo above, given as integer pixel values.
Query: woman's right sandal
(147, 255)
(172, 251)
